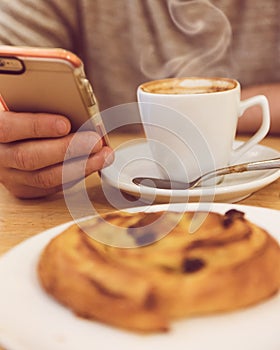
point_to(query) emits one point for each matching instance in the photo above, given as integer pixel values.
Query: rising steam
(205, 34)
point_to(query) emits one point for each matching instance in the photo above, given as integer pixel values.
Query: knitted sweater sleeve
(49, 23)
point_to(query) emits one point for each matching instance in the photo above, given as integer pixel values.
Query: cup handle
(262, 101)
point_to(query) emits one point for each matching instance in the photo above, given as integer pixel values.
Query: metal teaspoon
(177, 185)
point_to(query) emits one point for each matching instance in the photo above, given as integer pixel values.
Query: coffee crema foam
(188, 86)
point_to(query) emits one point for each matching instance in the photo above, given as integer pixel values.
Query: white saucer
(134, 159)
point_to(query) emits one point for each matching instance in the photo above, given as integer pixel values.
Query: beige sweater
(125, 42)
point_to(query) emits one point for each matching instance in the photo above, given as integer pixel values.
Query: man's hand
(35, 147)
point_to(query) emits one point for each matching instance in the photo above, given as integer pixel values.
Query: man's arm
(252, 117)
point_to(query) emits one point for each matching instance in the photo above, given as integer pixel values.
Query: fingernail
(61, 127)
(109, 157)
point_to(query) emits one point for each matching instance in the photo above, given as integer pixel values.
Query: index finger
(19, 126)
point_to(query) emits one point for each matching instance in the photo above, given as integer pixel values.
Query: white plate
(135, 159)
(31, 320)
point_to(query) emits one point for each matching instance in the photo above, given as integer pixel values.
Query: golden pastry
(224, 264)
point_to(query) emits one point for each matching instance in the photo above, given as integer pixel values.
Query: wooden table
(20, 219)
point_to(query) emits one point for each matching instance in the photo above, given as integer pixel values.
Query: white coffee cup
(190, 123)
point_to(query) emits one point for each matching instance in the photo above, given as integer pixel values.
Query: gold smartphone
(49, 80)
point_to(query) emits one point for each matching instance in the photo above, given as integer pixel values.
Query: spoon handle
(264, 164)
(250, 166)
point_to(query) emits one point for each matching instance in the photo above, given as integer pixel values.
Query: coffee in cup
(188, 86)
